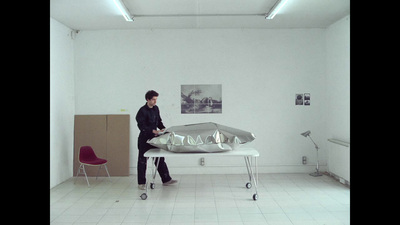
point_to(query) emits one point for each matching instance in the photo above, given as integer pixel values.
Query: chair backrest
(86, 153)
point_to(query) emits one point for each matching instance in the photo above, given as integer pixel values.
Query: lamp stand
(315, 174)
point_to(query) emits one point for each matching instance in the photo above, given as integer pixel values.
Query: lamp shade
(305, 134)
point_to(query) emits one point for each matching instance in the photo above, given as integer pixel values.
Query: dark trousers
(142, 164)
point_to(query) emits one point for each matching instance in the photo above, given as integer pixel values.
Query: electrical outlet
(202, 162)
(304, 160)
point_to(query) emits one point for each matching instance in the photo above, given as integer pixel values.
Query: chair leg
(84, 172)
(79, 169)
(83, 166)
(98, 172)
(105, 166)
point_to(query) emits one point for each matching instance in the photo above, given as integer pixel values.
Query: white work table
(246, 152)
(157, 152)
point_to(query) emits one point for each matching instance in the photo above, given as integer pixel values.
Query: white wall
(62, 102)
(260, 72)
(338, 79)
(338, 96)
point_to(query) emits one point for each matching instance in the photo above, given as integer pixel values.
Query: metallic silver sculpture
(201, 137)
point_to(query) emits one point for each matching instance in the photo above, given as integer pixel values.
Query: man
(148, 120)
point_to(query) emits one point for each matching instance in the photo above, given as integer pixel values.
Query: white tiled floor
(284, 199)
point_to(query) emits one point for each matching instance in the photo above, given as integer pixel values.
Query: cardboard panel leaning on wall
(108, 135)
(118, 144)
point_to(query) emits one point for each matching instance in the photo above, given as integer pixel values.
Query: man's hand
(156, 132)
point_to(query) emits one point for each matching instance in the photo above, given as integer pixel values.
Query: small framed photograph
(307, 99)
(299, 99)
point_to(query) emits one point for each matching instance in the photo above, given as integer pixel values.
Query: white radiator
(339, 160)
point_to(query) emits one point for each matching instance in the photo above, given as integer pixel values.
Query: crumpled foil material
(201, 137)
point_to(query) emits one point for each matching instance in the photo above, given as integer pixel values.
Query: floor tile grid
(94, 203)
(203, 199)
(310, 200)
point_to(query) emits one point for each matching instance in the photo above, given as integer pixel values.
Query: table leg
(248, 185)
(152, 185)
(251, 175)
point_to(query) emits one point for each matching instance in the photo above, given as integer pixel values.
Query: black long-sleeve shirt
(148, 119)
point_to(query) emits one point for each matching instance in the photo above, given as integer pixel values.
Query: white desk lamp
(315, 174)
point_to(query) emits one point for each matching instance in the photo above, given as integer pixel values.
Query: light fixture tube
(124, 11)
(275, 9)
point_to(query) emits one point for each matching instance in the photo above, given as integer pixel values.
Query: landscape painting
(201, 98)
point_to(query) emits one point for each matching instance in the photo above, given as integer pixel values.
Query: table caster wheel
(248, 185)
(143, 196)
(255, 197)
(152, 185)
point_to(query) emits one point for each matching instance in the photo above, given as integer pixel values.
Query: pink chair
(88, 157)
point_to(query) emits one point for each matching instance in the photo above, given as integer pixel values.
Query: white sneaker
(170, 182)
(142, 186)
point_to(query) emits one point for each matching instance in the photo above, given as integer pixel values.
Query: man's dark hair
(150, 94)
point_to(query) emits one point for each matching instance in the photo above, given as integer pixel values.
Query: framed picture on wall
(307, 99)
(299, 99)
(201, 98)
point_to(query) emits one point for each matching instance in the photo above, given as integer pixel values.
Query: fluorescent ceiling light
(122, 8)
(275, 9)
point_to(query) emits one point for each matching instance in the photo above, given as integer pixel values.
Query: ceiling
(104, 15)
